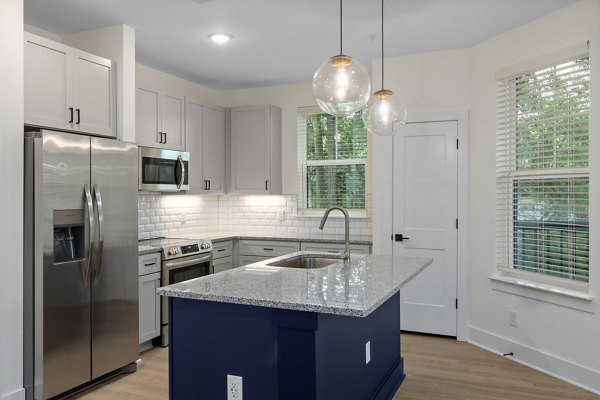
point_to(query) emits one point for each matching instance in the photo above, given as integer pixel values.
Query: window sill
(318, 214)
(571, 298)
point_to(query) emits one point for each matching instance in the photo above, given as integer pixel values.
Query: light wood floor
(436, 369)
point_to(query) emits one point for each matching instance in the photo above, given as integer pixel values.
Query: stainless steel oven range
(182, 259)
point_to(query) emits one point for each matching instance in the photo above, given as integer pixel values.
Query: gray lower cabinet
(223, 256)
(251, 251)
(335, 247)
(149, 301)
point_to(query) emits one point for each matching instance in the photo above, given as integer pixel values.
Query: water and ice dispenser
(69, 235)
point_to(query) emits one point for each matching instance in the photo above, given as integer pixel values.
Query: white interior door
(424, 213)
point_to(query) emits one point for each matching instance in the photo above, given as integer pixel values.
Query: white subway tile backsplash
(172, 215)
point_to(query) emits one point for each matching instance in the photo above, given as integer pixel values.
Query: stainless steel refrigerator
(80, 276)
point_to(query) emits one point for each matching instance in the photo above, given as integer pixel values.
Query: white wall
(288, 98)
(11, 199)
(429, 82)
(40, 32)
(168, 83)
(557, 339)
(116, 43)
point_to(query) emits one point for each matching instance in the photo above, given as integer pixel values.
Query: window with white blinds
(542, 161)
(332, 158)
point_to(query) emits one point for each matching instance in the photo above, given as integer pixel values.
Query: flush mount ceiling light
(341, 85)
(384, 108)
(220, 38)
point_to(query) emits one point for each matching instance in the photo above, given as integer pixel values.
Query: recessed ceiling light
(220, 38)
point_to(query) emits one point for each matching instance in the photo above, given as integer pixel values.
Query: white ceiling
(282, 41)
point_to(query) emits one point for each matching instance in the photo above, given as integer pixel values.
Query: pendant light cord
(382, 44)
(341, 30)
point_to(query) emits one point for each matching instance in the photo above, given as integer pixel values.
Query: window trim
(530, 284)
(546, 292)
(302, 173)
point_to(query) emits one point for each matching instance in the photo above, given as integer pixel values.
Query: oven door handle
(192, 261)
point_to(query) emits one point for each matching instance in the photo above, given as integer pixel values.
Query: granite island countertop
(353, 289)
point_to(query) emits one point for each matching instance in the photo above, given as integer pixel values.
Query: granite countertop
(142, 250)
(353, 289)
(221, 236)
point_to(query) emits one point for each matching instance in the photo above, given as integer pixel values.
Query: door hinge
(457, 143)
(456, 223)
(456, 303)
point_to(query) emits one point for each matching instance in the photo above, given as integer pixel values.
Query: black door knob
(398, 237)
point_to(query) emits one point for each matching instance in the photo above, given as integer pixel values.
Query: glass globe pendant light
(341, 85)
(384, 108)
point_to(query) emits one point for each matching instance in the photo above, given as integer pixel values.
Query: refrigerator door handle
(91, 229)
(99, 208)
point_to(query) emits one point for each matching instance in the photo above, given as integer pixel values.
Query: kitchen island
(324, 333)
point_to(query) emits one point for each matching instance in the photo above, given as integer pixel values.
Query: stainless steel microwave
(163, 170)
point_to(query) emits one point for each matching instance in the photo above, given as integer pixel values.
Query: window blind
(332, 155)
(542, 160)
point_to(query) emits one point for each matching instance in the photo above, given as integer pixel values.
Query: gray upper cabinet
(255, 150)
(159, 119)
(205, 141)
(68, 89)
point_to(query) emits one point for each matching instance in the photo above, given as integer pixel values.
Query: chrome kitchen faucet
(344, 254)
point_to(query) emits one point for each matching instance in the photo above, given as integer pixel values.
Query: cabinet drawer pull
(149, 264)
(220, 250)
(332, 251)
(267, 249)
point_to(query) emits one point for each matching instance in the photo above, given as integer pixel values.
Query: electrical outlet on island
(234, 387)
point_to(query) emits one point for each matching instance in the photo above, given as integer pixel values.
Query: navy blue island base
(282, 354)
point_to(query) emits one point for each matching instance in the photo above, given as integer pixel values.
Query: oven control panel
(191, 248)
(186, 249)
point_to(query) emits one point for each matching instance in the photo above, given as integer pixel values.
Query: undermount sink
(306, 262)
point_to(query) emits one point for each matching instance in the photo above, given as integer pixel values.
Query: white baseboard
(557, 367)
(18, 395)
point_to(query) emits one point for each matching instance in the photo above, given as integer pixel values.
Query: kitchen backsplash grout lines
(173, 214)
